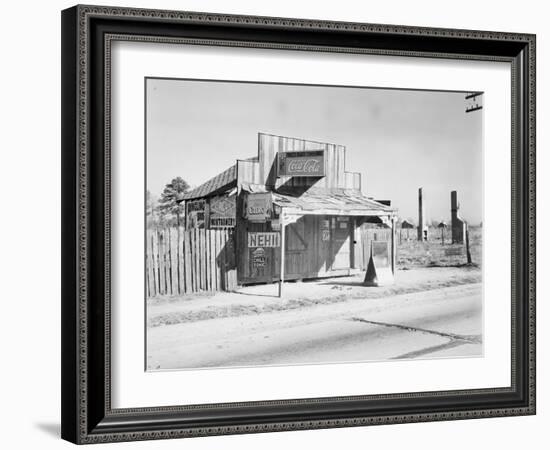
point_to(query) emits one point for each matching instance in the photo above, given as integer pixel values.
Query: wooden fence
(411, 252)
(438, 251)
(182, 261)
(364, 237)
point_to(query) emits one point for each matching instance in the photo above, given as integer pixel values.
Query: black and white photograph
(295, 224)
(275, 225)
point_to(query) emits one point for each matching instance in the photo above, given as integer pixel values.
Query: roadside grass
(413, 253)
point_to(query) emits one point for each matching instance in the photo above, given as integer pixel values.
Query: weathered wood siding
(262, 170)
(307, 253)
(248, 171)
(364, 235)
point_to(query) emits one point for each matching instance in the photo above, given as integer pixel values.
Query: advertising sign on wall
(195, 213)
(269, 239)
(258, 258)
(258, 207)
(301, 164)
(222, 212)
(222, 207)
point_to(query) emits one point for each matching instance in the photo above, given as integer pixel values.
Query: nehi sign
(269, 239)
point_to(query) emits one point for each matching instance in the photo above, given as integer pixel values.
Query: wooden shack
(295, 195)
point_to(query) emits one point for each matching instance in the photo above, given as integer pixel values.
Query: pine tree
(173, 191)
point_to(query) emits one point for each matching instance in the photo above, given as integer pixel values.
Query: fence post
(468, 254)
(196, 265)
(181, 260)
(393, 246)
(212, 242)
(187, 261)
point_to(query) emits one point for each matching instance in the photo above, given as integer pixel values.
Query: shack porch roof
(340, 202)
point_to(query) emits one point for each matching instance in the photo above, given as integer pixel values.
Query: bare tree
(151, 210)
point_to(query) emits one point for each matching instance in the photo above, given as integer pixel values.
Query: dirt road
(439, 322)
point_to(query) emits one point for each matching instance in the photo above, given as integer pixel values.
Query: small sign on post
(442, 225)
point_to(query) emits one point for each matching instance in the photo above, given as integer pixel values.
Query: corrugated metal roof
(221, 182)
(312, 200)
(335, 202)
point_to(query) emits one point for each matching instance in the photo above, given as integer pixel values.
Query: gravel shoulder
(260, 299)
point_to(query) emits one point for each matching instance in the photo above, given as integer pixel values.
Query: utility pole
(468, 254)
(421, 216)
(474, 104)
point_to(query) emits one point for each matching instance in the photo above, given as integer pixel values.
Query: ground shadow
(53, 429)
(455, 265)
(254, 295)
(344, 283)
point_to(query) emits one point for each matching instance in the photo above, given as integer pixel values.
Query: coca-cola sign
(301, 164)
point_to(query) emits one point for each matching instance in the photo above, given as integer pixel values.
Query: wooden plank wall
(364, 237)
(314, 260)
(335, 161)
(248, 171)
(262, 170)
(182, 261)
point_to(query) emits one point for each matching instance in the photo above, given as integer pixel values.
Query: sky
(399, 140)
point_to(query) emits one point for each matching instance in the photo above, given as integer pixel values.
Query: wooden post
(468, 254)
(188, 269)
(154, 265)
(393, 246)
(185, 209)
(421, 214)
(282, 268)
(352, 244)
(148, 265)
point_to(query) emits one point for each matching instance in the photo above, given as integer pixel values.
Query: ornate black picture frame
(87, 35)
